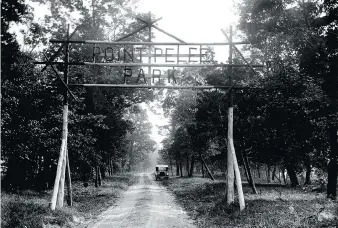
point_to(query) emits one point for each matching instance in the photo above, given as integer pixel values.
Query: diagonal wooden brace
(161, 30)
(147, 22)
(59, 77)
(138, 30)
(58, 51)
(239, 52)
(168, 34)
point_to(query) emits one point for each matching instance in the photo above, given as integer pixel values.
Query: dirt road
(146, 204)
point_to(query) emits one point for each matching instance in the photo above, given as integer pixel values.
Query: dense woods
(285, 115)
(108, 130)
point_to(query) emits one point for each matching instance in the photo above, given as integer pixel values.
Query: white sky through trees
(192, 20)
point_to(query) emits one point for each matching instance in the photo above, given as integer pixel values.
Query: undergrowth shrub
(27, 214)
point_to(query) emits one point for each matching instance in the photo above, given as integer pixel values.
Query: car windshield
(161, 168)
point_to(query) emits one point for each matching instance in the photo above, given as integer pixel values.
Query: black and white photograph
(169, 113)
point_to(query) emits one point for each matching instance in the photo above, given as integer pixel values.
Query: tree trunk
(308, 172)
(202, 168)
(274, 172)
(332, 89)
(279, 177)
(38, 179)
(181, 171)
(292, 174)
(332, 166)
(103, 172)
(258, 171)
(192, 163)
(46, 172)
(86, 172)
(111, 167)
(187, 166)
(268, 174)
(108, 170)
(99, 176)
(177, 169)
(96, 178)
(171, 165)
(122, 165)
(284, 177)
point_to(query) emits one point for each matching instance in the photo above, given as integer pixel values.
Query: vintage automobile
(162, 172)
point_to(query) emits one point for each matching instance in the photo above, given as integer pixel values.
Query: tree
(288, 30)
(32, 99)
(139, 141)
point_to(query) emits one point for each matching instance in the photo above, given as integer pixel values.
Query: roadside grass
(205, 202)
(29, 209)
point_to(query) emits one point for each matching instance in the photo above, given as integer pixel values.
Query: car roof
(161, 165)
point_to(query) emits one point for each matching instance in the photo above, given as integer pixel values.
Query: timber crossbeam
(144, 43)
(150, 64)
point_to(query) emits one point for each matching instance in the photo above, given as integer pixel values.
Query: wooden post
(69, 182)
(236, 168)
(245, 168)
(59, 166)
(149, 48)
(230, 174)
(61, 193)
(207, 168)
(230, 163)
(232, 160)
(252, 182)
(61, 162)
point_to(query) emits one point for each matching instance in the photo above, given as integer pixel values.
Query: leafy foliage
(32, 100)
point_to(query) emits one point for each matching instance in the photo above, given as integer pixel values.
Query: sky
(193, 20)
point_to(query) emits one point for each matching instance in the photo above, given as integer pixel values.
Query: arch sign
(158, 57)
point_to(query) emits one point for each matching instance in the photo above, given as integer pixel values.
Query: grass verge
(29, 209)
(205, 202)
